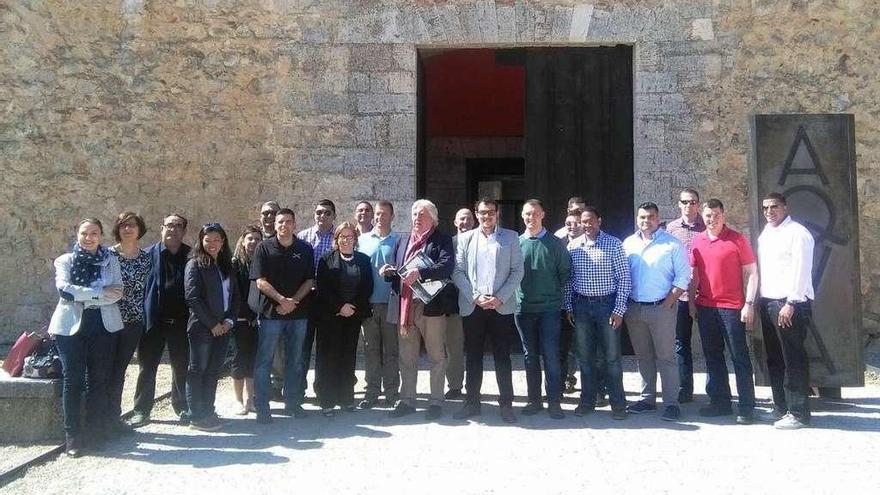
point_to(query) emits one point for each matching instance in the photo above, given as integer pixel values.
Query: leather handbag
(23, 347)
(44, 362)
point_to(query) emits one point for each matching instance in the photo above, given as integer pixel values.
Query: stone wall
(209, 107)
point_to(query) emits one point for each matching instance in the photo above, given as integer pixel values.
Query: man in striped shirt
(596, 299)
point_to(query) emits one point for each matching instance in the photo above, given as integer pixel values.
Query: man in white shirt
(785, 257)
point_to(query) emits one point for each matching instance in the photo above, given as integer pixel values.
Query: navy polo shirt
(286, 268)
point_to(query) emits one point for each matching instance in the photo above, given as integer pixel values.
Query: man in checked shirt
(596, 300)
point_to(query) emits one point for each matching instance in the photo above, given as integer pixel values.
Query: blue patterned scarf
(86, 270)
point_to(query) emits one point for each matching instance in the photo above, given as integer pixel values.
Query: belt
(595, 298)
(170, 321)
(648, 303)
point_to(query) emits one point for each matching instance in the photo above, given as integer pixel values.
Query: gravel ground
(367, 452)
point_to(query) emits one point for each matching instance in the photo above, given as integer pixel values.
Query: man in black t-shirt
(284, 270)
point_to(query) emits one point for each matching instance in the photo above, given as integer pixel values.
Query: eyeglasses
(770, 207)
(212, 226)
(484, 213)
(688, 201)
(323, 213)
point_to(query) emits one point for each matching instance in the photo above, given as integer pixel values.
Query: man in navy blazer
(417, 321)
(488, 271)
(165, 315)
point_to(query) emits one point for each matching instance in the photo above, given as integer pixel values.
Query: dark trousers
(307, 360)
(244, 335)
(89, 352)
(478, 325)
(721, 328)
(127, 341)
(335, 352)
(150, 353)
(597, 346)
(787, 361)
(566, 339)
(684, 357)
(206, 354)
(539, 333)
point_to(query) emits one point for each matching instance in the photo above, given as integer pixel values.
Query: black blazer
(155, 279)
(203, 288)
(439, 249)
(327, 298)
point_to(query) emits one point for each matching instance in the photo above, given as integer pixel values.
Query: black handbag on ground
(44, 362)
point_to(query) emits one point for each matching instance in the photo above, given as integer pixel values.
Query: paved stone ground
(367, 452)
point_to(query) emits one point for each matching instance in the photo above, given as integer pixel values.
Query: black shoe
(507, 414)
(264, 419)
(434, 412)
(391, 401)
(532, 408)
(467, 410)
(555, 411)
(602, 400)
(71, 447)
(745, 419)
(295, 411)
(570, 382)
(671, 413)
(401, 409)
(276, 395)
(139, 419)
(368, 403)
(454, 394)
(583, 410)
(210, 423)
(618, 414)
(184, 418)
(640, 407)
(715, 410)
(685, 398)
(349, 408)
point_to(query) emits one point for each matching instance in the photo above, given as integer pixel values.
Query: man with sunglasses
(320, 237)
(685, 228)
(165, 315)
(785, 255)
(267, 218)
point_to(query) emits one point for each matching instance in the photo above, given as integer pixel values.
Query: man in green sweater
(547, 267)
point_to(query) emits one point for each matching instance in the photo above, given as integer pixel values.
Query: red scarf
(415, 244)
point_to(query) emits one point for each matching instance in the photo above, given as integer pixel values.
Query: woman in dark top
(211, 293)
(344, 286)
(244, 333)
(135, 264)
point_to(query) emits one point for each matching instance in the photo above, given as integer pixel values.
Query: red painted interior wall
(468, 94)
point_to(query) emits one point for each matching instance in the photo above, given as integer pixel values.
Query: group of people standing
(277, 293)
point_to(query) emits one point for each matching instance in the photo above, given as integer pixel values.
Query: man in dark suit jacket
(165, 315)
(416, 320)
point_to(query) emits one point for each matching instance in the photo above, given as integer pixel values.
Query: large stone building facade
(208, 107)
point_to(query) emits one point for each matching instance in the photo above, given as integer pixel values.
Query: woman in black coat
(344, 286)
(211, 292)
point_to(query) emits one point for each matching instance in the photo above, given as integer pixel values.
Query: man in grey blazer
(488, 270)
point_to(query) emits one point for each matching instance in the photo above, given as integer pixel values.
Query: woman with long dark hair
(344, 286)
(84, 325)
(244, 333)
(211, 293)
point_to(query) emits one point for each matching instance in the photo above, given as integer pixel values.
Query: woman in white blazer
(84, 323)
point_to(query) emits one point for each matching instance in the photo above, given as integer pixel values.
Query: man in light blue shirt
(380, 337)
(660, 273)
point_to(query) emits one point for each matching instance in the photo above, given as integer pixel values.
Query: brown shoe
(507, 414)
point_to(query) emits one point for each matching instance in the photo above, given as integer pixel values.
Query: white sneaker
(789, 422)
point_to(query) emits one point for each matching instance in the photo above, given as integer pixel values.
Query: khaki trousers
(652, 333)
(432, 329)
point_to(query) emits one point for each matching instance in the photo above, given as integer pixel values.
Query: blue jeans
(206, 355)
(89, 352)
(684, 356)
(593, 332)
(539, 333)
(293, 333)
(720, 327)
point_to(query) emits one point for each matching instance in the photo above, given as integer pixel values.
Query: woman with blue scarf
(84, 323)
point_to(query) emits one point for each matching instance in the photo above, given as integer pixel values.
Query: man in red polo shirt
(721, 258)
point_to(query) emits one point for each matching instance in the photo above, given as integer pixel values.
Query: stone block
(401, 82)
(525, 23)
(371, 131)
(386, 103)
(30, 410)
(358, 82)
(660, 104)
(505, 15)
(561, 23)
(702, 29)
(402, 131)
(487, 20)
(581, 16)
(372, 57)
(452, 25)
(404, 57)
(656, 82)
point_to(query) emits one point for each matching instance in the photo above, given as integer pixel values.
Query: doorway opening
(518, 123)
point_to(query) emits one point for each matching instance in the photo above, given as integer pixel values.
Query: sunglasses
(268, 213)
(326, 213)
(688, 201)
(211, 226)
(770, 207)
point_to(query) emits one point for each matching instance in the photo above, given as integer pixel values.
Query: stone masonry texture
(209, 107)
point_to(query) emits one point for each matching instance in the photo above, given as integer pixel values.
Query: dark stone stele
(811, 159)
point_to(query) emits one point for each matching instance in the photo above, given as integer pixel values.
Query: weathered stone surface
(212, 107)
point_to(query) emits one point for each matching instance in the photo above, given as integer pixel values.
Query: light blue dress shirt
(657, 266)
(381, 251)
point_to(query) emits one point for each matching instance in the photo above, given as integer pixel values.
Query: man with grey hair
(268, 210)
(417, 320)
(463, 221)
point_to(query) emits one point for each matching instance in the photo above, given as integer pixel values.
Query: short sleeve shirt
(719, 264)
(286, 269)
